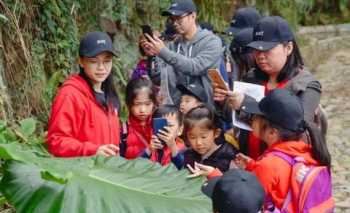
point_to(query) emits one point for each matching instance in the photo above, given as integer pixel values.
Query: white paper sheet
(253, 90)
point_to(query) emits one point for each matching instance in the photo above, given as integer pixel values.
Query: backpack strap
(123, 138)
(284, 156)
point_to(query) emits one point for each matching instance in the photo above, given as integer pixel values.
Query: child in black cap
(279, 121)
(237, 191)
(192, 96)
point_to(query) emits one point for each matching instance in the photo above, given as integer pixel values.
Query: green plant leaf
(28, 126)
(36, 184)
(3, 18)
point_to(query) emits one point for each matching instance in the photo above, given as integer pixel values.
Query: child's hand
(155, 144)
(242, 160)
(199, 170)
(168, 135)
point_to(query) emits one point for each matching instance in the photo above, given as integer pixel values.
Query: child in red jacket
(166, 145)
(140, 100)
(84, 116)
(279, 121)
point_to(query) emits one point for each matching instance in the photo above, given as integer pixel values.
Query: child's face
(97, 68)
(173, 124)
(188, 102)
(266, 134)
(142, 106)
(201, 139)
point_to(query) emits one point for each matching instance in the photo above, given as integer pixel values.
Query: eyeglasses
(178, 19)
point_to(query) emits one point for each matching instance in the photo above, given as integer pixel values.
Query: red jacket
(138, 137)
(166, 158)
(274, 172)
(78, 124)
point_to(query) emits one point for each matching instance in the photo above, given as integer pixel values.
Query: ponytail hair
(319, 146)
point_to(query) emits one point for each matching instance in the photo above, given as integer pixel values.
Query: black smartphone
(158, 124)
(146, 29)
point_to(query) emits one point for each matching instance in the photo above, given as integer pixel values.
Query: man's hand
(153, 45)
(107, 150)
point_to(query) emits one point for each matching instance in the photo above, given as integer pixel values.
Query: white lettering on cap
(101, 41)
(174, 5)
(233, 21)
(259, 33)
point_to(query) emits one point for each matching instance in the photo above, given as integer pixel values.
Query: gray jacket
(187, 62)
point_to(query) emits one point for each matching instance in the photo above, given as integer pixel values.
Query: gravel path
(334, 75)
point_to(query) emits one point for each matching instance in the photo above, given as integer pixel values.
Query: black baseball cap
(94, 43)
(282, 108)
(240, 41)
(180, 7)
(195, 90)
(244, 17)
(237, 191)
(270, 31)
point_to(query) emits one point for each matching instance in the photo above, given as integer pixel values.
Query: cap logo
(192, 85)
(101, 41)
(233, 21)
(174, 5)
(259, 33)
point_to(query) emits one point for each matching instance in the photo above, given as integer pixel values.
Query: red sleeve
(265, 172)
(214, 173)
(63, 129)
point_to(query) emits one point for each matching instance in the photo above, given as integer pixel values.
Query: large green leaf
(28, 126)
(37, 184)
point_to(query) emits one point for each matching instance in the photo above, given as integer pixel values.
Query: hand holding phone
(216, 78)
(146, 29)
(159, 124)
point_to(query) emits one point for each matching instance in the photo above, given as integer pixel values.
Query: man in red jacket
(84, 117)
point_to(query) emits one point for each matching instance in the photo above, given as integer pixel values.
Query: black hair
(244, 61)
(201, 113)
(294, 63)
(134, 86)
(319, 145)
(108, 87)
(167, 109)
(320, 151)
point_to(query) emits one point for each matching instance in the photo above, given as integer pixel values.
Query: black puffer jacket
(220, 159)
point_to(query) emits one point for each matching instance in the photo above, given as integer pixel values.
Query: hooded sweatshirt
(78, 124)
(187, 62)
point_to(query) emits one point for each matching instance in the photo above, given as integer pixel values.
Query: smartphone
(215, 76)
(146, 29)
(158, 124)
